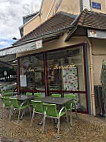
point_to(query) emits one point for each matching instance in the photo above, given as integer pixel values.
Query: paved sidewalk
(85, 129)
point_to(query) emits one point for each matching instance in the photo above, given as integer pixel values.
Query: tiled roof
(62, 21)
(58, 22)
(87, 19)
(93, 20)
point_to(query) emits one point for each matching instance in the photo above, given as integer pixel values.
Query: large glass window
(32, 72)
(66, 70)
(66, 74)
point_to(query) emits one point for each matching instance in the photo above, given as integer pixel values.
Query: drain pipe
(92, 100)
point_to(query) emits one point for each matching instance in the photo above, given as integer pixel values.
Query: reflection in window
(32, 70)
(66, 70)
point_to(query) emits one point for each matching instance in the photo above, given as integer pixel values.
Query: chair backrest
(56, 95)
(69, 105)
(6, 102)
(38, 95)
(38, 106)
(50, 109)
(69, 96)
(28, 93)
(8, 93)
(14, 102)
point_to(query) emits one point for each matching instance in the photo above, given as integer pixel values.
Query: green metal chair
(56, 95)
(68, 106)
(73, 97)
(16, 106)
(50, 111)
(28, 93)
(6, 105)
(37, 108)
(8, 93)
(38, 95)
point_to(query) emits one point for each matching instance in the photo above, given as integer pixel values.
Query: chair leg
(44, 121)
(29, 111)
(71, 118)
(58, 125)
(19, 115)
(67, 117)
(11, 113)
(32, 118)
(2, 114)
(23, 113)
(76, 111)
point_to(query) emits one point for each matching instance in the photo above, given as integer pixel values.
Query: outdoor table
(23, 97)
(55, 100)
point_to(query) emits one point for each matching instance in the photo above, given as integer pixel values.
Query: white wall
(86, 4)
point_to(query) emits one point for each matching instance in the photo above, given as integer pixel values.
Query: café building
(63, 55)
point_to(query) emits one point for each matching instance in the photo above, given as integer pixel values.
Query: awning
(22, 48)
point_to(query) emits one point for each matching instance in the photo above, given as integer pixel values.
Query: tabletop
(23, 97)
(55, 100)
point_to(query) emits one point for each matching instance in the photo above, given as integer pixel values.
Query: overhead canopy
(19, 49)
(50, 29)
(57, 25)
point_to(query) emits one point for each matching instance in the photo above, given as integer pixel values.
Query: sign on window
(23, 81)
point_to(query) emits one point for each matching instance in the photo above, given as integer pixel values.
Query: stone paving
(85, 129)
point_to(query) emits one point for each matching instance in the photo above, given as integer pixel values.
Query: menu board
(70, 78)
(23, 81)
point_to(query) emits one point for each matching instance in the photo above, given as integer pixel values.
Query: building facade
(70, 59)
(62, 54)
(51, 7)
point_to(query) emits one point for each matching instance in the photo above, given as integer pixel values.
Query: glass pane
(32, 72)
(54, 73)
(82, 102)
(66, 70)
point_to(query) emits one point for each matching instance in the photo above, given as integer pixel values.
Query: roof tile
(62, 20)
(93, 20)
(55, 23)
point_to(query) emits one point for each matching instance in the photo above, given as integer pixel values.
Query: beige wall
(72, 7)
(99, 54)
(30, 26)
(103, 6)
(48, 9)
(55, 44)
